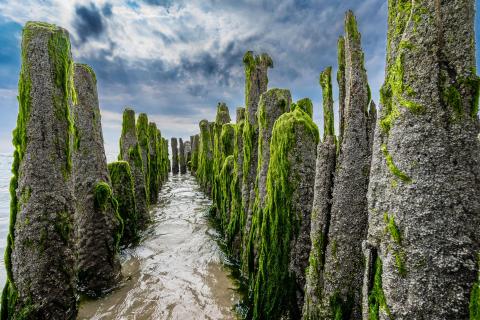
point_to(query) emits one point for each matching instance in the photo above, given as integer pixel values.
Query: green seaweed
(376, 296)
(392, 167)
(306, 105)
(398, 252)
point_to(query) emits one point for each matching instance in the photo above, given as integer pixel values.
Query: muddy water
(177, 271)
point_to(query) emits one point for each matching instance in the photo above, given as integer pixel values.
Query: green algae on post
(123, 191)
(276, 282)
(130, 152)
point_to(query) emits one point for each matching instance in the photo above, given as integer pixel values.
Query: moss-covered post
(130, 152)
(188, 152)
(222, 117)
(341, 85)
(256, 83)
(224, 196)
(327, 96)
(167, 159)
(322, 203)
(343, 270)
(181, 157)
(154, 156)
(285, 228)
(143, 143)
(98, 227)
(205, 157)
(271, 106)
(424, 209)
(124, 193)
(236, 224)
(39, 257)
(175, 158)
(195, 151)
(164, 159)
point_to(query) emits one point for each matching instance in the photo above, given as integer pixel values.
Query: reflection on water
(177, 271)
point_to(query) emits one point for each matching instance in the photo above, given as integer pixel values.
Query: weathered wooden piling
(223, 197)
(234, 232)
(341, 86)
(98, 227)
(424, 209)
(256, 82)
(222, 118)
(39, 256)
(322, 204)
(285, 228)
(181, 157)
(205, 157)
(188, 152)
(175, 157)
(130, 152)
(271, 106)
(143, 143)
(195, 151)
(154, 157)
(124, 192)
(165, 163)
(348, 223)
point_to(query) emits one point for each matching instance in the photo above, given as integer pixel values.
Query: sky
(175, 60)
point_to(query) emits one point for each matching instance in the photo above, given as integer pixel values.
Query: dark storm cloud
(163, 3)
(107, 9)
(89, 22)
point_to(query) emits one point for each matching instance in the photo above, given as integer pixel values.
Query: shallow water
(5, 176)
(177, 271)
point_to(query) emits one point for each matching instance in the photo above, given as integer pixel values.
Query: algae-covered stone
(143, 143)
(343, 270)
(424, 208)
(124, 193)
(181, 157)
(130, 152)
(175, 157)
(322, 203)
(39, 256)
(272, 105)
(256, 82)
(285, 228)
(154, 156)
(98, 227)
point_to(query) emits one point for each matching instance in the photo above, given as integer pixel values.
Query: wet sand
(177, 271)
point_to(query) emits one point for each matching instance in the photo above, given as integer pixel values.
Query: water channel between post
(177, 271)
